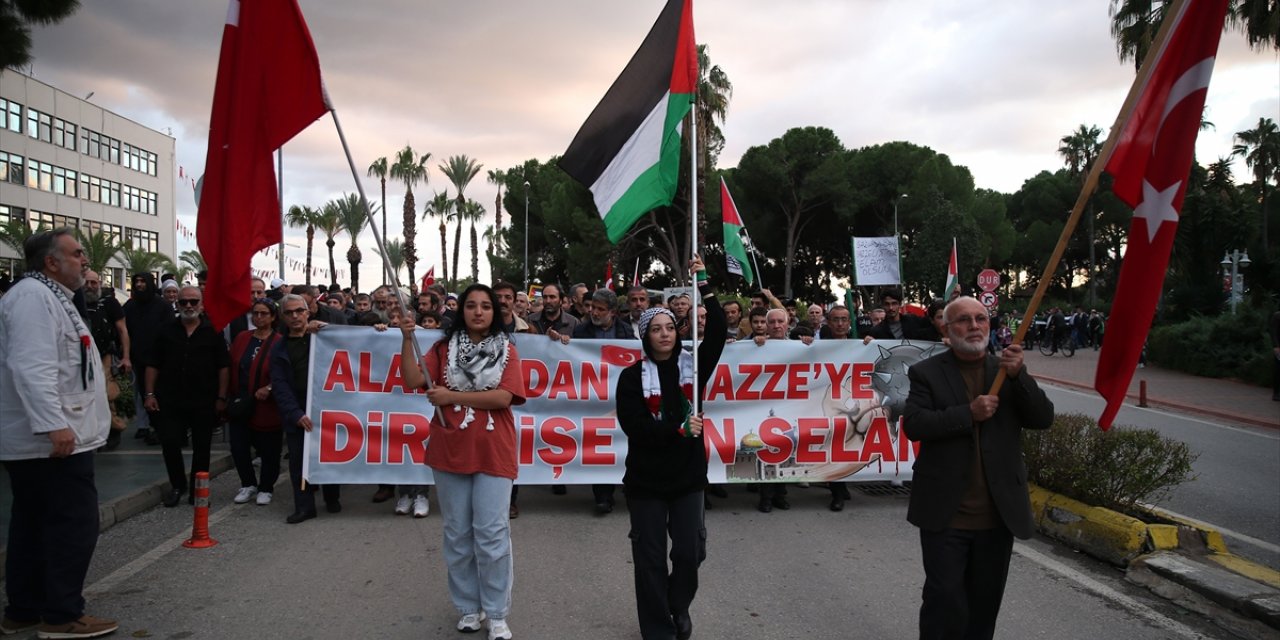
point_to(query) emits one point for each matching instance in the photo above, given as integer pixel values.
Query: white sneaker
(264, 498)
(245, 494)
(471, 622)
(402, 506)
(421, 507)
(498, 630)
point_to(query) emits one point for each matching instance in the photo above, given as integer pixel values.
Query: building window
(9, 214)
(46, 127)
(112, 191)
(151, 203)
(115, 151)
(94, 142)
(10, 168)
(46, 176)
(33, 175)
(60, 132)
(39, 219)
(33, 123)
(71, 184)
(84, 141)
(69, 140)
(12, 123)
(39, 125)
(142, 239)
(60, 181)
(95, 189)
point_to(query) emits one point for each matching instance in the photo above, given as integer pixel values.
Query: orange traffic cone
(200, 527)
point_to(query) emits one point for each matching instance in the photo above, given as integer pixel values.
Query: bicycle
(1066, 346)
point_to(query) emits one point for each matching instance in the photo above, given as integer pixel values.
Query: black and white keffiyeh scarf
(474, 366)
(86, 371)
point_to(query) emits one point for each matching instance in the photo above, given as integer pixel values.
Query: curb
(1216, 413)
(131, 504)
(1182, 561)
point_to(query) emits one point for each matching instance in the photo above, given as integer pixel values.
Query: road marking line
(1180, 416)
(1263, 544)
(1151, 616)
(109, 582)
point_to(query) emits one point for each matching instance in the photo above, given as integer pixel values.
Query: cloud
(994, 85)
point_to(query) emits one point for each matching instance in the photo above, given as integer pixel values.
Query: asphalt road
(1237, 485)
(803, 573)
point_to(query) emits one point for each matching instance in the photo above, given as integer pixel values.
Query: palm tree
(141, 260)
(460, 170)
(379, 170)
(394, 255)
(351, 212)
(1260, 148)
(329, 222)
(192, 259)
(15, 233)
(412, 169)
(498, 177)
(302, 216)
(1134, 24)
(440, 207)
(474, 211)
(714, 92)
(99, 247)
(1079, 149)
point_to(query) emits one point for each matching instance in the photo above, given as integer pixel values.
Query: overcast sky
(993, 84)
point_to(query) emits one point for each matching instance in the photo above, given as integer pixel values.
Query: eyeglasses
(187, 302)
(974, 320)
(294, 312)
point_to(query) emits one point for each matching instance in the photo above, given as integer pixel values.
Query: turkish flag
(268, 89)
(1151, 163)
(428, 278)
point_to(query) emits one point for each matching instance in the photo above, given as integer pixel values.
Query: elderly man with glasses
(186, 384)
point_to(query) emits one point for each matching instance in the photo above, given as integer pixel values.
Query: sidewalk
(130, 480)
(1225, 399)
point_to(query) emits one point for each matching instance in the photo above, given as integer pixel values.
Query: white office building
(68, 162)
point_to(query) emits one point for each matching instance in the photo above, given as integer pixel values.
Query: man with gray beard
(969, 496)
(187, 378)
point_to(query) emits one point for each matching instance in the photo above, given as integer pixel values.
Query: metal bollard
(1142, 393)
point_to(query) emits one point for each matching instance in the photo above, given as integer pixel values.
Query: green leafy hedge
(1116, 469)
(1225, 346)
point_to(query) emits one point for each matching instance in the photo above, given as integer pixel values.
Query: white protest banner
(875, 261)
(784, 412)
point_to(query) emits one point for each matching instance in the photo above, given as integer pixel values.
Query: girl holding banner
(472, 378)
(666, 465)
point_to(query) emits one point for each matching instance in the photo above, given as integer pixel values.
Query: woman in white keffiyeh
(472, 377)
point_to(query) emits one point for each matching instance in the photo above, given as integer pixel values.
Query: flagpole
(693, 245)
(280, 187)
(635, 279)
(373, 225)
(1091, 181)
(751, 250)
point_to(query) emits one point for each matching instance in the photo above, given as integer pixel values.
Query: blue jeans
(477, 541)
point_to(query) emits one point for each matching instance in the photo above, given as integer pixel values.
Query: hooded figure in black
(144, 314)
(666, 465)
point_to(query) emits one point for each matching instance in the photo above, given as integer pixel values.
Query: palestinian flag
(735, 254)
(953, 274)
(628, 151)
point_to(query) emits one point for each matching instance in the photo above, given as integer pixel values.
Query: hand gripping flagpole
(1091, 180)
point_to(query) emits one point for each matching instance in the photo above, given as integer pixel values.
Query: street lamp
(1232, 263)
(526, 235)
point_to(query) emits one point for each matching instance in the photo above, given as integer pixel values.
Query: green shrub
(1225, 346)
(1116, 469)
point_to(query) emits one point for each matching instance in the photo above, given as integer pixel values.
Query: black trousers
(965, 573)
(304, 500)
(660, 593)
(53, 530)
(839, 490)
(268, 445)
(174, 422)
(602, 493)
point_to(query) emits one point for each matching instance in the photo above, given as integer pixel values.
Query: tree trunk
(475, 254)
(457, 242)
(497, 210)
(333, 266)
(444, 253)
(311, 237)
(410, 237)
(792, 233)
(353, 257)
(384, 207)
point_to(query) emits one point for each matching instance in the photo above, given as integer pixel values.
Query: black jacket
(937, 416)
(662, 463)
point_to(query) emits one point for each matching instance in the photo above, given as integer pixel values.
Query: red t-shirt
(475, 449)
